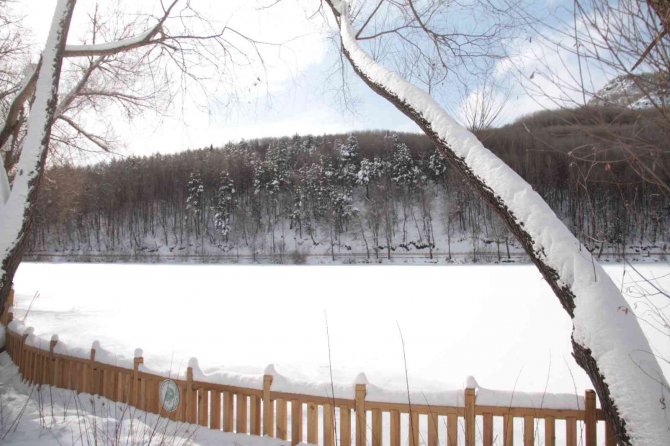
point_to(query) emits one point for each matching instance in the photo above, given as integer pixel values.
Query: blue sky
(297, 94)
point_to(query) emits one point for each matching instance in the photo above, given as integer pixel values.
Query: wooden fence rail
(307, 418)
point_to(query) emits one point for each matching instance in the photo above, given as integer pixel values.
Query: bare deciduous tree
(134, 64)
(16, 209)
(482, 107)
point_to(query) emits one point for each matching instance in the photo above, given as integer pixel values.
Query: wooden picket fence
(329, 421)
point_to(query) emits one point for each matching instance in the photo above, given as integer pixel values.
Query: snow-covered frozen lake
(500, 324)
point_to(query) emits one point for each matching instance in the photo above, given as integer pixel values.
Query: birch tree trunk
(17, 210)
(607, 340)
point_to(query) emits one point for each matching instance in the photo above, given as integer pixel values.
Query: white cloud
(291, 97)
(289, 45)
(546, 72)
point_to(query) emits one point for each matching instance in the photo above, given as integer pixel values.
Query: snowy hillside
(635, 91)
(370, 197)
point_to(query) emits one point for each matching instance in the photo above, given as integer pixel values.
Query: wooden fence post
(361, 428)
(487, 435)
(11, 340)
(377, 428)
(135, 391)
(268, 409)
(432, 429)
(549, 431)
(216, 410)
(414, 428)
(51, 375)
(529, 430)
(255, 415)
(55, 364)
(395, 428)
(203, 407)
(328, 425)
(228, 411)
(312, 423)
(92, 385)
(9, 303)
(282, 419)
(296, 422)
(610, 438)
(508, 430)
(571, 431)
(470, 416)
(24, 356)
(190, 396)
(590, 420)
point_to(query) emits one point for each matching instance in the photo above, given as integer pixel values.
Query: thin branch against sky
(295, 92)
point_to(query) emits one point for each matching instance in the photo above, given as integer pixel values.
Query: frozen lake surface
(500, 324)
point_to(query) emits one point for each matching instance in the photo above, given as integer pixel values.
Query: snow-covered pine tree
(437, 166)
(195, 191)
(224, 201)
(279, 159)
(350, 151)
(404, 170)
(266, 178)
(308, 145)
(349, 162)
(316, 189)
(342, 208)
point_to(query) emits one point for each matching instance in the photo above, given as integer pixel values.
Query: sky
(298, 91)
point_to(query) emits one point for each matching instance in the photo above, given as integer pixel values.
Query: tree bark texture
(565, 295)
(17, 212)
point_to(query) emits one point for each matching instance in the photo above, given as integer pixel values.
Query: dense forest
(359, 197)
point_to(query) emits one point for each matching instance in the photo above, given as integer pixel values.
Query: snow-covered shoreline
(398, 258)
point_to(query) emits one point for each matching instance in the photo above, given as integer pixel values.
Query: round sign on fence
(169, 394)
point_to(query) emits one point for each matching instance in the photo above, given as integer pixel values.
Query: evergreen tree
(437, 166)
(370, 170)
(350, 151)
(308, 145)
(195, 193)
(266, 177)
(349, 162)
(223, 205)
(404, 170)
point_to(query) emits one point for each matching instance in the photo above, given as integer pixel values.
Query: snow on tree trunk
(607, 340)
(26, 90)
(4, 186)
(16, 212)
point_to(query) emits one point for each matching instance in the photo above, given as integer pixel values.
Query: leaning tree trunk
(607, 340)
(17, 211)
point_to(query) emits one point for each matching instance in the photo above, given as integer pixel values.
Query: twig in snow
(35, 296)
(330, 368)
(409, 399)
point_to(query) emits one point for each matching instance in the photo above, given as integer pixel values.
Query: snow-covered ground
(500, 324)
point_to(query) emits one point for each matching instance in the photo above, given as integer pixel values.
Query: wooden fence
(329, 421)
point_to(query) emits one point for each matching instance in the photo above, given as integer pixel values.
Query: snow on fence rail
(336, 415)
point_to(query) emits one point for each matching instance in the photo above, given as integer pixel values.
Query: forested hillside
(358, 197)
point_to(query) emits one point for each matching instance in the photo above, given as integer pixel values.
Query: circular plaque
(169, 395)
